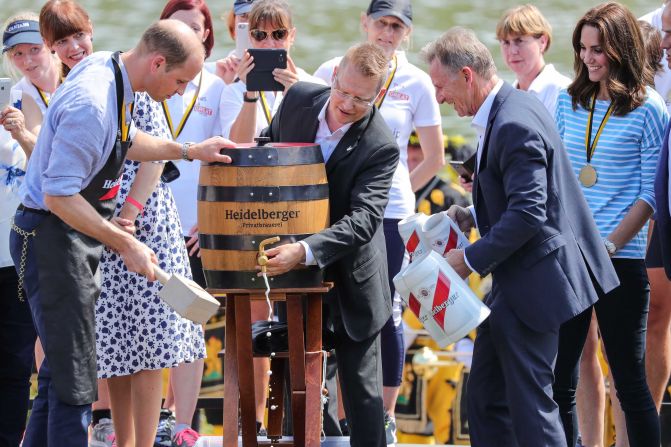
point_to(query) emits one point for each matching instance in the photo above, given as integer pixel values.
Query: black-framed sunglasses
(260, 35)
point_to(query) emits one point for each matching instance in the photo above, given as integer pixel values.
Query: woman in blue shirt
(612, 127)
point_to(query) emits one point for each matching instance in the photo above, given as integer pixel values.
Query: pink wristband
(135, 203)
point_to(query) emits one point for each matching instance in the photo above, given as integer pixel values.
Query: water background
(327, 27)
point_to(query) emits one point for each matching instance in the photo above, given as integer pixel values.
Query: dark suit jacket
(538, 234)
(662, 217)
(352, 250)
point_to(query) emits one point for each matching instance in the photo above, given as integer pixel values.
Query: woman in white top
(245, 114)
(26, 53)
(17, 334)
(409, 103)
(525, 36)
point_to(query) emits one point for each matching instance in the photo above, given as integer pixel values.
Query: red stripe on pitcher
(411, 245)
(415, 307)
(451, 241)
(440, 298)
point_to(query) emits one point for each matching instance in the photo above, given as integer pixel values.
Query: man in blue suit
(539, 242)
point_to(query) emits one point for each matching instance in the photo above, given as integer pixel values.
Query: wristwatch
(250, 98)
(611, 248)
(185, 151)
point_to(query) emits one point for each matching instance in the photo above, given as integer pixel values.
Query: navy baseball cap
(21, 31)
(242, 7)
(401, 9)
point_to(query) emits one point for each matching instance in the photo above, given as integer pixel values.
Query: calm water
(327, 27)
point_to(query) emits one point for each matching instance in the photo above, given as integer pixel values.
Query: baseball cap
(401, 9)
(242, 7)
(21, 31)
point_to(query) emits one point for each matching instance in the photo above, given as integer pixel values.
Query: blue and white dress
(135, 329)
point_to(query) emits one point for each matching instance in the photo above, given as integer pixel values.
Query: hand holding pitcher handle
(462, 217)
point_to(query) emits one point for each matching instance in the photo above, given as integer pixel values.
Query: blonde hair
(7, 64)
(524, 20)
(368, 59)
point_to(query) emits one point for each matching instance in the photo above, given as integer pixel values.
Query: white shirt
(410, 103)
(12, 172)
(232, 102)
(662, 78)
(203, 122)
(328, 141)
(479, 123)
(27, 87)
(546, 87)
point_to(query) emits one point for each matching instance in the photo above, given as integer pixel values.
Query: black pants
(622, 315)
(17, 340)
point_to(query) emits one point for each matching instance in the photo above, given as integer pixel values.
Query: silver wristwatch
(185, 151)
(610, 247)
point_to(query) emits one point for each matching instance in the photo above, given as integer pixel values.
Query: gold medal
(587, 176)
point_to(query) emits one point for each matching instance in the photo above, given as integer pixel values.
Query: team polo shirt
(27, 87)
(203, 122)
(78, 132)
(547, 85)
(410, 103)
(12, 171)
(232, 102)
(625, 160)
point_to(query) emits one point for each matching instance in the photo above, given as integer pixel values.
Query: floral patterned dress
(135, 329)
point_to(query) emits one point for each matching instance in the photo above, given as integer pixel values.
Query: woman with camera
(612, 125)
(245, 113)
(408, 103)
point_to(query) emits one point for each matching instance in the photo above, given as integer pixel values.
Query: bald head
(172, 39)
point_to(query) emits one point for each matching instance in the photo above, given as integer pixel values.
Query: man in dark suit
(361, 156)
(539, 242)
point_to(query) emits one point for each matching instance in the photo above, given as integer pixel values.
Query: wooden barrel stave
(271, 191)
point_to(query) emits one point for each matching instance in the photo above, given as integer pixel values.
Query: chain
(24, 251)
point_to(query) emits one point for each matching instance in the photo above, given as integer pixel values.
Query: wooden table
(304, 361)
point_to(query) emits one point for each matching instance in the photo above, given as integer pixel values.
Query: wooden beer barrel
(279, 189)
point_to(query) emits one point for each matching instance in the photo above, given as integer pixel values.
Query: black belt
(22, 207)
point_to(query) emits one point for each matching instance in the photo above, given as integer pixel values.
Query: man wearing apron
(68, 198)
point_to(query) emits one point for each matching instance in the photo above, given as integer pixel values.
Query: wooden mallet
(186, 297)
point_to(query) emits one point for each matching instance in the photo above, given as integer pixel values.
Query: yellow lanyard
(43, 96)
(266, 108)
(125, 124)
(590, 148)
(166, 112)
(394, 66)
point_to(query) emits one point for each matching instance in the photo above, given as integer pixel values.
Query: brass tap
(262, 259)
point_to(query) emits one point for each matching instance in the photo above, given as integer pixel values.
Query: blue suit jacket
(662, 218)
(539, 239)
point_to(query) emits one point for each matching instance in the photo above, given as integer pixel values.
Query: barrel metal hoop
(208, 193)
(271, 156)
(240, 242)
(227, 279)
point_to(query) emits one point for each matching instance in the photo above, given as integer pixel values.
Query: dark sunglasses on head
(260, 35)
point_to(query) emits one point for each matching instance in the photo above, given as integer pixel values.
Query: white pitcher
(445, 305)
(410, 229)
(443, 234)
